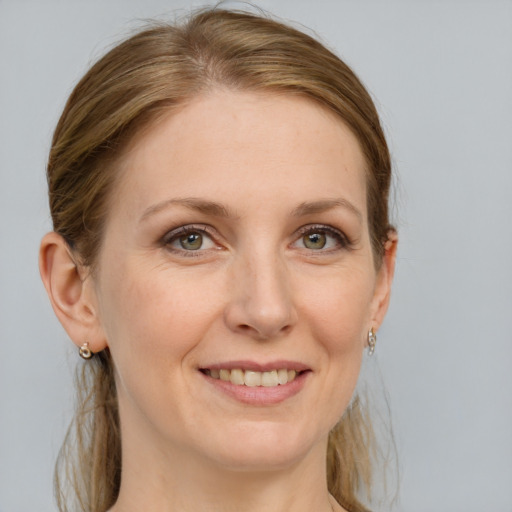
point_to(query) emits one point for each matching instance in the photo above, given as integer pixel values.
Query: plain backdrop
(441, 74)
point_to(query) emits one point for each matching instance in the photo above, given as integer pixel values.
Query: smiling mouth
(251, 378)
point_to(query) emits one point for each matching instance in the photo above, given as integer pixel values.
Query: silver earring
(85, 352)
(372, 341)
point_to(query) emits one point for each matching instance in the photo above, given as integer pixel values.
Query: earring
(85, 352)
(372, 341)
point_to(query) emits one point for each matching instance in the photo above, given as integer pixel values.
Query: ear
(71, 291)
(385, 275)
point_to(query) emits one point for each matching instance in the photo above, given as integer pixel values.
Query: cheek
(154, 314)
(339, 310)
(153, 319)
(338, 316)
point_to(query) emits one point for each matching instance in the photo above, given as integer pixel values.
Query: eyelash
(173, 235)
(341, 240)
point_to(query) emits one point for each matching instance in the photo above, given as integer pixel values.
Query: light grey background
(442, 75)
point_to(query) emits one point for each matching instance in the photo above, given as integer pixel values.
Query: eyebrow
(193, 203)
(324, 205)
(218, 210)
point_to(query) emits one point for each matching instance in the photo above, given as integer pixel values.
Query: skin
(277, 170)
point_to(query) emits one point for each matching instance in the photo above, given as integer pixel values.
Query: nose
(261, 303)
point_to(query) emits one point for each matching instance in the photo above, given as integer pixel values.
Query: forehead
(221, 142)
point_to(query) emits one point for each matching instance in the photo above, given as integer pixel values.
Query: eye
(315, 240)
(321, 238)
(189, 239)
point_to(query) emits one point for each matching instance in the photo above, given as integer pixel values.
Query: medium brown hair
(144, 77)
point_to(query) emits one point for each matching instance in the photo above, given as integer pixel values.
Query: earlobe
(71, 292)
(384, 280)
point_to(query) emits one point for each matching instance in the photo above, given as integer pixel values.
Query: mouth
(252, 378)
(257, 384)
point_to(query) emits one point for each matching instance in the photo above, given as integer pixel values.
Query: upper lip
(256, 366)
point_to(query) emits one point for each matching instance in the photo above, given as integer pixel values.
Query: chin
(266, 448)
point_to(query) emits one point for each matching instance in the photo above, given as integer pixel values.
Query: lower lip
(259, 395)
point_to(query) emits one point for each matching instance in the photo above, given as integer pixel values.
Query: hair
(143, 78)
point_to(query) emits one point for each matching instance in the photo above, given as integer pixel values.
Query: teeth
(282, 376)
(269, 379)
(237, 377)
(253, 379)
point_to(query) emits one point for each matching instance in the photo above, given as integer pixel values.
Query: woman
(221, 256)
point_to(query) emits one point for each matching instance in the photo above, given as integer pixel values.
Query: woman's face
(236, 282)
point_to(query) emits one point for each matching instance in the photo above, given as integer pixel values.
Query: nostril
(260, 315)
(264, 330)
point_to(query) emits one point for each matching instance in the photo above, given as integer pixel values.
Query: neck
(175, 479)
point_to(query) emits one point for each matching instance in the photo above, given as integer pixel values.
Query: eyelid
(173, 234)
(342, 239)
